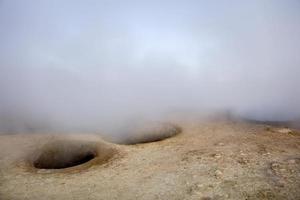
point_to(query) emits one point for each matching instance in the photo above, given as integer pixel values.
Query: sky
(92, 65)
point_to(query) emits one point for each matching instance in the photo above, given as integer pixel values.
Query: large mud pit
(66, 154)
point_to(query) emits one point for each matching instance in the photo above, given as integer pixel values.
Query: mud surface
(208, 160)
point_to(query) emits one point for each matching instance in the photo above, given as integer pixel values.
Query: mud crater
(152, 132)
(66, 154)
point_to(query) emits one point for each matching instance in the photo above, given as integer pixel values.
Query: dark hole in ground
(64, 154)
(53, 163)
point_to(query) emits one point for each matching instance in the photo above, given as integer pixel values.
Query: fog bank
(97, 65)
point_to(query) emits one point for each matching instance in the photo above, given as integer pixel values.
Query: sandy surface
(220, 160)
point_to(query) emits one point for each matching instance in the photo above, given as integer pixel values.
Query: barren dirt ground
(208, 160)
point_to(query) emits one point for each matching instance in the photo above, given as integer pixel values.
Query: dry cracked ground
(207, 160)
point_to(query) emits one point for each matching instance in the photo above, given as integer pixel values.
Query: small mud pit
(62, 154)
(151, 132)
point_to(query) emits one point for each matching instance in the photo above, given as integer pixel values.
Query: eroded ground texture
(208, 160)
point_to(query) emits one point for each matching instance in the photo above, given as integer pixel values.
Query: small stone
(218, 173)
(285, 130)
(282, 169)
(268, 128)
(243, 161)
(267, 154)
(217, 156)
(275, 165)
(199, 193)
(206, 198)
(280, 183)
(291, 161)
(221, 144)
(43, 171)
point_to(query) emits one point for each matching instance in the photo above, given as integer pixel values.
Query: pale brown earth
(208, 160)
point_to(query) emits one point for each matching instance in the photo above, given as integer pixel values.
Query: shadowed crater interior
(64, 154)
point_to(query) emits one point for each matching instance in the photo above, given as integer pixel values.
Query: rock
(218, 173)
(282, 170)
(285, 130)
(217, 156)
(243, 161)
(280, 183)
(291, 161)
(266, 154)
(275, 165)
(243, 154)
(268, 128)
(206, 198)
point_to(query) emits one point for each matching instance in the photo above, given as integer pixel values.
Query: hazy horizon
(93, 65)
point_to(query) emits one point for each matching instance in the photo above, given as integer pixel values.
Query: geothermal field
(149, 99)
(218, 159)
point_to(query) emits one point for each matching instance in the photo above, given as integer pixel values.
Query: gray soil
(207, 160)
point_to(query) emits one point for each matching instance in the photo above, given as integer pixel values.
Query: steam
(97, 65)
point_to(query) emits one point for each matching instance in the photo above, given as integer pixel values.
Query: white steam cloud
(92, 65)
